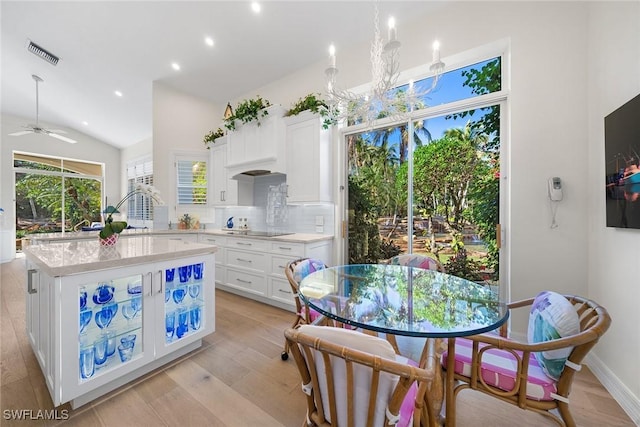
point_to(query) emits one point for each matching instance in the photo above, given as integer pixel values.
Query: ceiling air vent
(42, 53)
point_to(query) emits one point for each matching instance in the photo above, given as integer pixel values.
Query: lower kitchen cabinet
(97, 330)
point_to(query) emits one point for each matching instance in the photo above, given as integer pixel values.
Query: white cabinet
(255, 267)
(224, 191)
(95, 331)
(220, 242)
(308, 148)
(253, 146)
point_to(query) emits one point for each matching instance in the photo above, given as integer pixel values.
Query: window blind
(139, 207)
(191, 182)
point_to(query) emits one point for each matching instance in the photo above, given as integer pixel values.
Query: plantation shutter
(139, 207)
(191, 181)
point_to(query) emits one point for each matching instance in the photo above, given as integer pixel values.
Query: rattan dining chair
(417, 260)
(510, 371)
(353, 379)
(295, 271)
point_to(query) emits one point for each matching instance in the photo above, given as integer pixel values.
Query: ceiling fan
(37, 128)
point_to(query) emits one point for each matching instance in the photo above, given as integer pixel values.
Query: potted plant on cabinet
(247, 111)
(211, 137)
(314, 103)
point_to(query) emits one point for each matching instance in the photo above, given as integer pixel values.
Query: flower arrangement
(112, 227)
(212, 136)
(247, 111)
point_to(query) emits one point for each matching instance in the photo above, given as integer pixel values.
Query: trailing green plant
(248, 111)
(211, 137)
(314, 103)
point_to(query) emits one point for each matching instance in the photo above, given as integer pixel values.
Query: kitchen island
(98, 317)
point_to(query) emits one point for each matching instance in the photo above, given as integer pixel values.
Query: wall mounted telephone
(555, 189)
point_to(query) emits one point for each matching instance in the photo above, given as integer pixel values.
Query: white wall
(614, 254)
(555, 130)
(180, 121)
(87, 148)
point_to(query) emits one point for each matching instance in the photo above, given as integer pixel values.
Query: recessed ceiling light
(175, 66)
(208, 41)
(86, 123)
(118, 93)
(255, 6)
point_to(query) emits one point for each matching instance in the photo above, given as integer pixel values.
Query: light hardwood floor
(236, 379)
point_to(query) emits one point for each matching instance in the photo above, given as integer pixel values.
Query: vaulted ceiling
(125, 46)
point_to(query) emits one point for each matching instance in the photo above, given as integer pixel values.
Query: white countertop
(88, 235)
(81, 255)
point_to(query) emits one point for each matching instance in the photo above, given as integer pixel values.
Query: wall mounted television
(622, 152)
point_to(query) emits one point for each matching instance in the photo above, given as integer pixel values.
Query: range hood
(255, 173)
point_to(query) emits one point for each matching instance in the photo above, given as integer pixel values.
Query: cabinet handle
(284, 248)
(282, 266)
(30, 288)
(222, 195)
(151, 283)
(244, 244)
(283, 291)
(244, 281)
(244, 260)
(161, 290)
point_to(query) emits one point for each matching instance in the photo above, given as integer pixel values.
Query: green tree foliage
(364, 238)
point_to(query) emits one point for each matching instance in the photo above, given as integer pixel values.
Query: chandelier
(383, 99)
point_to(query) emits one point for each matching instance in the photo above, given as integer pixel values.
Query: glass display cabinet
(97, 329)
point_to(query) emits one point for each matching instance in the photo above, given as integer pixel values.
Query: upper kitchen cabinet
(225, 190)
(254, 146)
(308, 146)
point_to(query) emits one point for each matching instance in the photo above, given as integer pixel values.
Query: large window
(140, 207)
(191, 181)
(431, 185)
(55, 194)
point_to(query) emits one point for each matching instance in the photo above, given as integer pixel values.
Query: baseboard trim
(620, 392)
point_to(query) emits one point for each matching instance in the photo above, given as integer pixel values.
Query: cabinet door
(225, 190)
(185, 302)
(220, 242)
(108, 323)
(308, 154)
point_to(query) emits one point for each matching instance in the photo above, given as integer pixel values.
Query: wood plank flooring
(236, 379)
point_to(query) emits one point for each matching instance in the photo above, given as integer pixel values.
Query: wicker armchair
(295, 271)
(508, 370)
(352, 379)
(417, 260)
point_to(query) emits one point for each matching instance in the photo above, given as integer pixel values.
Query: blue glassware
(194, 290)
(103, 293)
(198, 269)
(129, 340)
(125, 352)
(100, 355)
(136, 303)
(178, 294)
(83, 298)
(114, 309)
(195, 317)
(230, 222)
(169, 273)
(111, 343)
(128, 311)
(170, 324)
(184, 273)
(85, 318)
(103, 317)
(87, 362)
(183, 323)
(134, 287)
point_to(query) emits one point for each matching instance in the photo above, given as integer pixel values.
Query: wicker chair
(352, 379)
(417, 260)
(477, 364)
(296, 271)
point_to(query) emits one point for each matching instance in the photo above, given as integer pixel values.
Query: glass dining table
(408, 301)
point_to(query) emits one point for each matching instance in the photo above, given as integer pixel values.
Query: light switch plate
(319, 220)
(319, 229)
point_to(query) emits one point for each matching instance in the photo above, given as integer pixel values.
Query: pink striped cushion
(409, 402)
(498, 369)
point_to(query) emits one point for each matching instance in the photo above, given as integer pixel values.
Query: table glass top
(404, 300)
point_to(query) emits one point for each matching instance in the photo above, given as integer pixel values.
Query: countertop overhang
(87, 235)
(82, 255)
